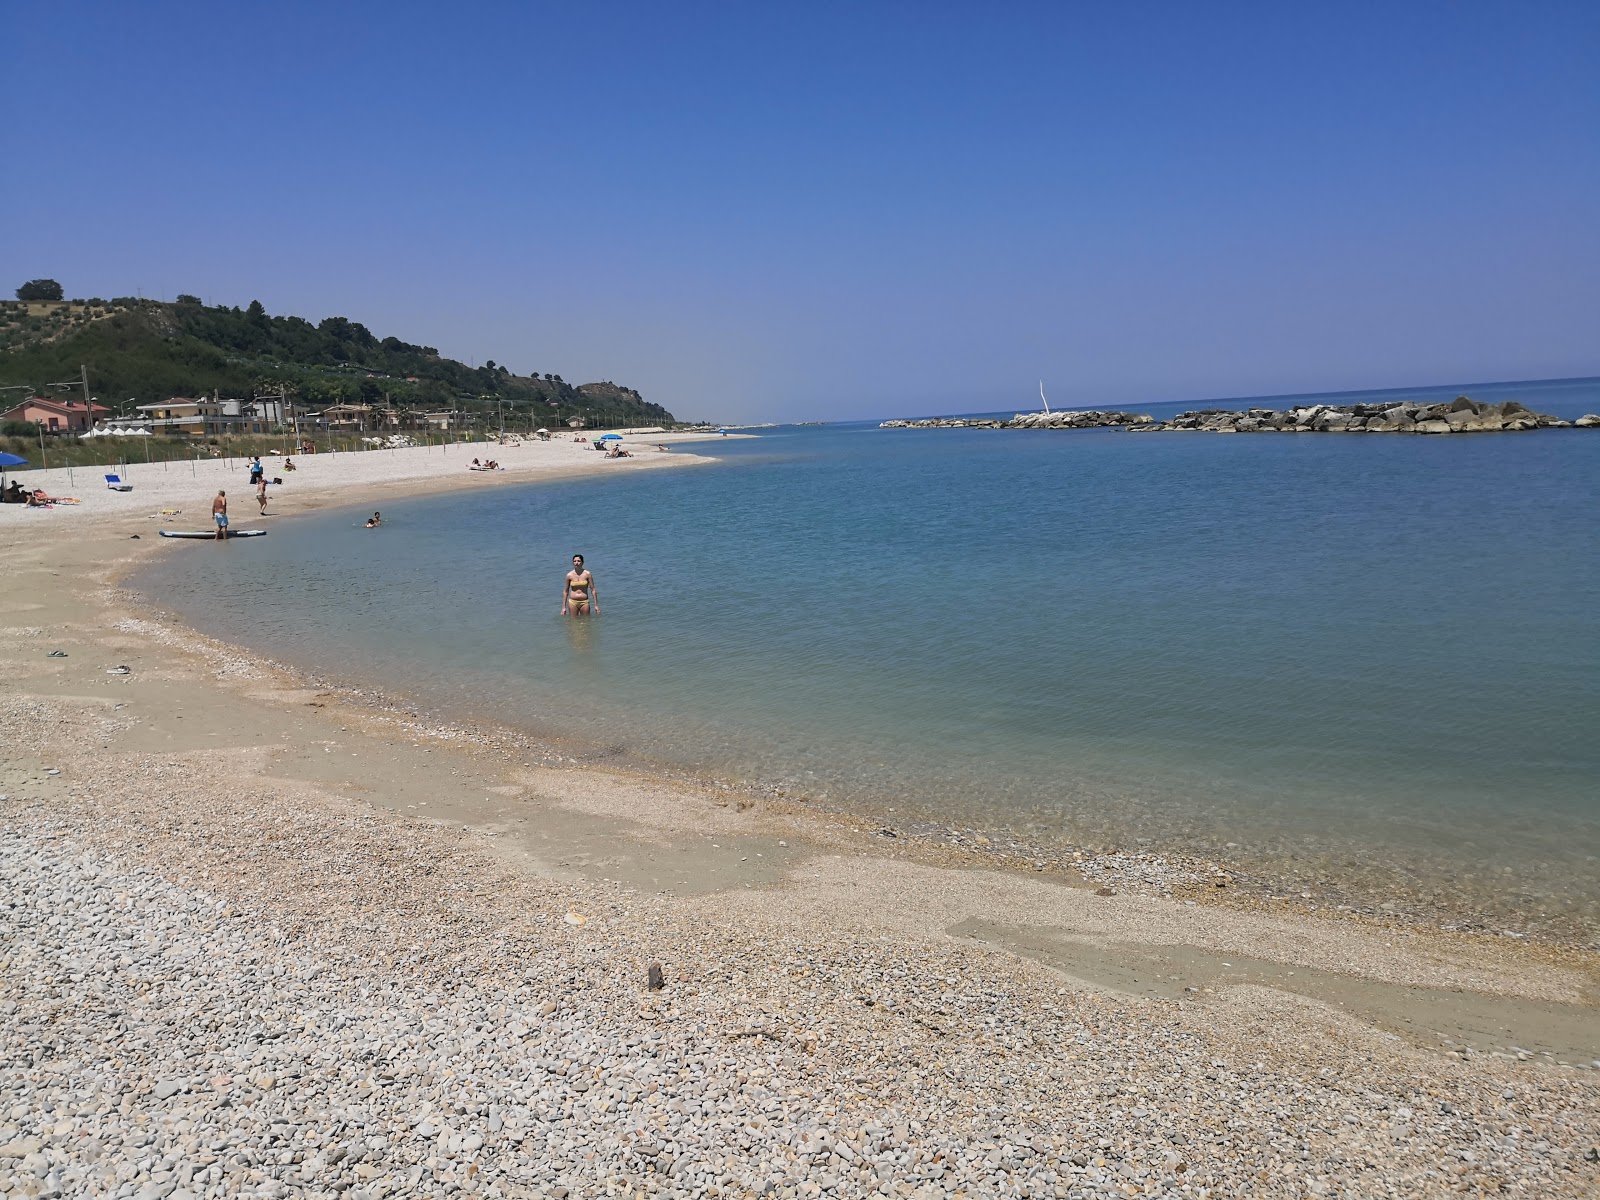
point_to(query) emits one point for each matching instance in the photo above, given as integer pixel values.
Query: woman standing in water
(580, 596)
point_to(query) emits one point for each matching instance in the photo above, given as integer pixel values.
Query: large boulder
(1393, 420)
(1588, 421)
(1434, 425)
(1467, 420)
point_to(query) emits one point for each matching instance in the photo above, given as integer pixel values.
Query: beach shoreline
(852, 978)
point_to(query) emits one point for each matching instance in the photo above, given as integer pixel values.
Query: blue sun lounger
(114, 482)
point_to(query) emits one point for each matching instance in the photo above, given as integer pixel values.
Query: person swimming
(374, 520)
(580, 596)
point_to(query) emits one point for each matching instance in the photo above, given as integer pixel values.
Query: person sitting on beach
(374, 520)
(288, 464)
(579, 595)
(38, 499)
(14, 494)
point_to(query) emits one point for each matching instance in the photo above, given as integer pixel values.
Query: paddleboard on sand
(210, 535)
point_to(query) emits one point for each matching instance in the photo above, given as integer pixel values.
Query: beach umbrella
(542, 430)
(9, 460)
(610, 437)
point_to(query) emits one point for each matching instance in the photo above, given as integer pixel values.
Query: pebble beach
(257, 940)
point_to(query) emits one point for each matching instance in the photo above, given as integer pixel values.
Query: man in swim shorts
(579, 596)
(219, 513)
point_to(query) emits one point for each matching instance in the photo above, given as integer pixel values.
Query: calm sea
(1366, 662)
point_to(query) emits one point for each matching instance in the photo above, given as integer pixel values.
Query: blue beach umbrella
(9, 460)
(610, 437)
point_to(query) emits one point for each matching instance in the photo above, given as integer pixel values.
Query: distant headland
(138, 351)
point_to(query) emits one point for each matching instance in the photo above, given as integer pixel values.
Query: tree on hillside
(40, 289)
(257, 313)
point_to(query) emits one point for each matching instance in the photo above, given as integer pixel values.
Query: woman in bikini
(579, 596)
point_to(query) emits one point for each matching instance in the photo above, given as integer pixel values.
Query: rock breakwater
(1461, 415)
(1089, 419)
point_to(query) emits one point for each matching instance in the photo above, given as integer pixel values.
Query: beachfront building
(399, 418)
(181, 417)
(57, 416)
(270, 412)
(576, 422)
(347, 417)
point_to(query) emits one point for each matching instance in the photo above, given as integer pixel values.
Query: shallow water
(1375, 656)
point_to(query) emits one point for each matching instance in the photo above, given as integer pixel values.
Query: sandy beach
(318, 479)
(267, 939)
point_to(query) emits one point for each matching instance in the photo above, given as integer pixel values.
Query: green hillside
(147, 351)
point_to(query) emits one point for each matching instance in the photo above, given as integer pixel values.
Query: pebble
(383, 1015)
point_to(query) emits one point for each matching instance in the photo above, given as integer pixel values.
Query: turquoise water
(1371, 658)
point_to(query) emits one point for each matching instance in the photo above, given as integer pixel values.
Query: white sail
(1041, 396)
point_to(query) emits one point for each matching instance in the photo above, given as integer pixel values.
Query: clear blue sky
(825, 210)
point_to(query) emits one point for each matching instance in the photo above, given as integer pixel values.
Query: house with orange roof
(57, 416)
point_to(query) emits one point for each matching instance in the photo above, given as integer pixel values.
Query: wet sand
(867, 971)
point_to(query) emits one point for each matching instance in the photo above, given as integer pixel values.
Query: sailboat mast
(1041, 396)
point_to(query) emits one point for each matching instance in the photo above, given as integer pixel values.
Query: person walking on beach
(580, 596)
(261, 494)
(257, 471)
(219, 513)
